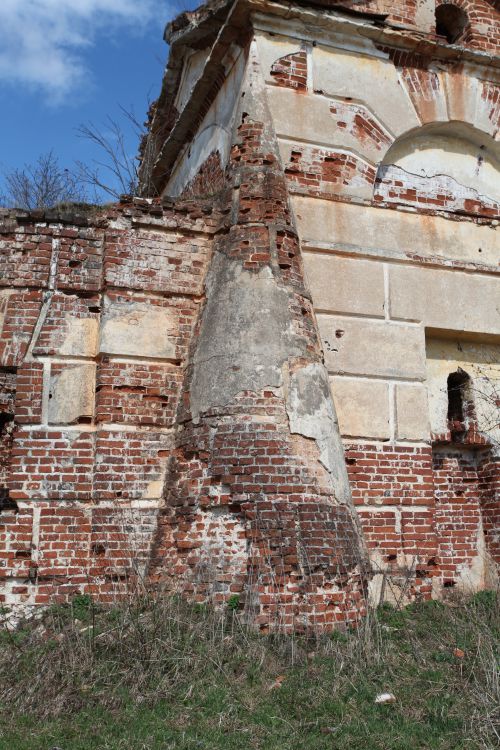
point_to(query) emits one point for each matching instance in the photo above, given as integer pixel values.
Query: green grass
(154, 675)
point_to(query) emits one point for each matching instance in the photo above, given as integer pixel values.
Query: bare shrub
(43, 184)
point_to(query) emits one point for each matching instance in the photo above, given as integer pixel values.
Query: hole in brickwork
(84, 420)
(5, 419)
(98, 549)
(391, 558)
(451, 22)
(460, 404)
(449, 584)
(6, 502)
(351, 461)
(24, 554)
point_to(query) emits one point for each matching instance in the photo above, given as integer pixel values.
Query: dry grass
(160, 673)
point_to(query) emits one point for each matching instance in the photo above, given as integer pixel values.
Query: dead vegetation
(160, 673)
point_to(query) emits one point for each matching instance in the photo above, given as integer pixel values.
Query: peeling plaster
(456, 193)
(311, 413)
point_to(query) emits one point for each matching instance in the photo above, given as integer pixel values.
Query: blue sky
(68, 62)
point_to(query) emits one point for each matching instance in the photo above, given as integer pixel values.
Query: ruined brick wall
(97, 318)
(171, 371)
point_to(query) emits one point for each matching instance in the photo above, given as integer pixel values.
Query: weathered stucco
(245, 337)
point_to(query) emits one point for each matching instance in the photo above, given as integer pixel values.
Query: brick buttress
(257, 501)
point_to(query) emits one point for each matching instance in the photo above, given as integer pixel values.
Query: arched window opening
(451, 22)
(460, 403)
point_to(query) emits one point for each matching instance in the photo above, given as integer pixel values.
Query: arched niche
(450, 166)
(451, 22)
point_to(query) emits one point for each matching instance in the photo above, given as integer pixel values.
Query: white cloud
(43, 42)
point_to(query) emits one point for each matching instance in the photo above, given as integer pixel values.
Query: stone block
(71, 397)
(357, 346)
(393, 233)
(448, 300)
(362, 407)
(138, 329)
(412, 412)
(345, 285)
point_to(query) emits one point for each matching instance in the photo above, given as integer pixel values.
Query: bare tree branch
(41, 185)
(117, 173)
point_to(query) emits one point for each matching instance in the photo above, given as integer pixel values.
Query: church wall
(396, 256)
(352, 260)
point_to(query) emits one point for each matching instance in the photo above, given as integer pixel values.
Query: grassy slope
(159, 675)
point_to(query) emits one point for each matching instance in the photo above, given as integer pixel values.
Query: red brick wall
(7, 409)
(424, 510)
(229, 501)
(88, 495)
(489, 482)
(291, 71)
(393, 490)
(78, 503)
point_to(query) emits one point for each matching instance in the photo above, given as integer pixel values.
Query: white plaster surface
(271, 49)
(192, 70)
(308, 118)
(447, 299)
(371, 80)
(443, 154)
(393, 233)
(214, 133)
(412, 412)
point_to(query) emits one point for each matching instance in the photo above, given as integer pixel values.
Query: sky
(64, 63)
